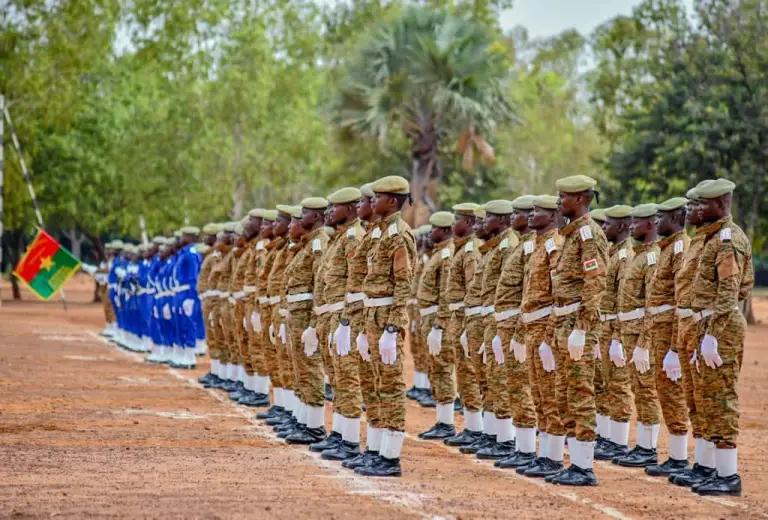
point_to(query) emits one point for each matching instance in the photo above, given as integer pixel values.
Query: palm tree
(437, 79)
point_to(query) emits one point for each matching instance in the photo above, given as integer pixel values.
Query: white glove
(671, 366)
(616, 353)
(464, 341)
(576, 342)
(435, 341)
(362, 347)
(210, 317)
(598, 354)
(519, 350)
(642, 360)
(498, 350)
(310, 341)
(189, 306)
(245, 323)
(482, 351)
(256, 321)
(547, 357)
(388, 347)
(343, 339)
(167, 312)
(272, 338)
(695, 361)
(709, 351)
(282, 334)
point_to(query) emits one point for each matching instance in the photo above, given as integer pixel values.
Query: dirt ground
(87, 430)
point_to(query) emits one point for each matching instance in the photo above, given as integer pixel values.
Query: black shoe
(499, 450)
(483, 442)
(413, 393)
(465, 438)
(272, 411)
(534, 463)
(364, 459)
(383, 467)
(609, 450)
(457, 406)
(343, 451)
(239, 394)
(721, 486)
(696, 475)
(517, 460)
(329, 443)
(254, 400)
(211, 381)
(328, 392)
(438, 432)
(670, 467)
(278, 420)
(545, 469)
(291, 429)
(229, 386)
(307, 436)
(427, 400)
(218, 383)
(639, 457)
(575, 476)
(204, 379)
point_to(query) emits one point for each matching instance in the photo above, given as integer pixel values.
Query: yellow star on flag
(46, 263)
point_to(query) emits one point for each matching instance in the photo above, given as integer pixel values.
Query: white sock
(327, 381)
(726, 460)
(427, 384)
(241, 375)
(473, 421)
(678, 447)
(655, 435)
(392, 444)
(489, 423)
(584, 454)
(525, 440)
(351, 429)
(543, 444)
(620, 433)
(315, 416)
(698, 449)
(504, 430)
(278, 397)
(644, 435)
(337, 423)
(556, 447)
(303, 413)
(604, 426)
(373, 438)
(708, 460)
(444, 413)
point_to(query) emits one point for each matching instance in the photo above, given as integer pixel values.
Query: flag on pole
(46, 266)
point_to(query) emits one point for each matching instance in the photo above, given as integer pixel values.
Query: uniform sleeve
(594, 265)
(318, 257)
(729, 266)
(642, 340)
(443, 312)
(402, 271)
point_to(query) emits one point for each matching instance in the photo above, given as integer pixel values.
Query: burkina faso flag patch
(46, 266)
(591, 265)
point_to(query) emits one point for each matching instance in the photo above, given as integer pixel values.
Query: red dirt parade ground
(88, 430)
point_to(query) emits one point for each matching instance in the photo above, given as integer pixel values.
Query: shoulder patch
(504, 244)
(679, 247)
(260, 245)
(469, 247)
(528, 247)
(376, 233)
(317, 245)
(650, 258)
(351, 232)
(725, 234)
(445, 253)
(622, 254)
(586, 233)
(550, 246)
(392, 230)
(425, 258)
(591, 265)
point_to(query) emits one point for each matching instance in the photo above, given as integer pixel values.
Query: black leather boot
(203, 380)
(307, 436)
(465, 438)
(364, 459)
(543, 468)
(383, 467)
(696, 475)
(720, 486)
(413, 393)
(517, 460)
(639, 457)
(279, 419)
(273, 411)
(670, 467)
(609, 450)
(575, 476)
(427, 400)
(344, 451)
(289, 429)
(254, 400)
(439, 431)
(499, 450)
(484, 441)
(328, 443)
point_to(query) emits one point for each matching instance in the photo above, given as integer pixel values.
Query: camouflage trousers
(618, 380)
(241, 333)
(518, 382)
(425, 325)
(602, 397)
(719, 391)
(286, 375)
(440, 365)
(258, 340)
(496, 373)
(674, 409)
(365, 370)
(575, 386)
(347, 397)
(325, 336)
(542, 383)
(475, 339)
(687, 336)
(109, 311)
(417, 343)
(389, 380)
(466, 378)
(228, 341)
(213, 324)
(643, 385)
(269, 349)
(308, 369)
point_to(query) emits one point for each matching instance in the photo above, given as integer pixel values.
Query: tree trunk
(16, 246)
(238, 192)
(749, 312)
(425, 174)
(76, 240)
(96, 293)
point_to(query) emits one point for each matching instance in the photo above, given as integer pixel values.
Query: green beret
(129, 248)
(691, 194)
(644, 210)
(523, 202)
(211, 229)
(344, 196)
(716, 188)
(314, 203)
(270, 215)
(163, 247)
(284, 209)
(575, 184)
(598, 215)
(442, 219)
(202, 248)
(229, 227)
(480, 212)
(143, 248)
(545, 201)
(367, 190)
(159, 240)
(177, 233)
(239, 229)
(499, 207)
(423, 230)
(190, 230)
(673, 204)
(296, 212)
(117, 245)
(619, 211)
(466, 208)
(256, 213)
(393, 184)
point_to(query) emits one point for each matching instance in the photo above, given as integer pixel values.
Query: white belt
(181, 288)
(263, 300)
(706, 313)
(223, 294)
(319, 311)
(634, 314)
(159, 295)
(378, 302)
(273, 300)
(231, 300)
(412, 301)
(283, 312)
(608, 317)
(428, 311)
(684, 313)
(503, 316)
(300, 297)
(213, 292)
(238, 295)
(354, 297)
(530, 317)
(335, 307)
(567, 309)
(453, 307)
(661, 308)
(472, 311)
(485, 311)
(248, 289)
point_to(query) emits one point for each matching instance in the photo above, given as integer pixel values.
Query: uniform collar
(639, 248)
(576, 224)
(674, 237)
(627, 242)
(460, 242)
(714, 227)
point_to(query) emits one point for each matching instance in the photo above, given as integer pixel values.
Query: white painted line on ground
(89, 358)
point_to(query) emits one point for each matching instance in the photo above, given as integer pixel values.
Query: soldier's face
(521, 219)
(383, 204)
(494, 223)
(209, 240)
(464, 225)
(540, 218)
(569, 203)
(364, 208)
(692, 213)
(253, 226)
(281, 226)
(310, 216)
(295, 229)
(642, 227)
(613, 227)
(440, 234)
(480, 230)
(267, 229)
(710, 210)
(338, 213)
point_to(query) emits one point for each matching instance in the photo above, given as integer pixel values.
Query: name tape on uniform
(445, 253)
(725, 234)
(679, 247)
(528, 247)
(651, 258)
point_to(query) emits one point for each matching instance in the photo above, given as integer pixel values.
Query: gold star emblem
(46, 263)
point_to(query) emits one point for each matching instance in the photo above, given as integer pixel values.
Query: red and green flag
(46, 266)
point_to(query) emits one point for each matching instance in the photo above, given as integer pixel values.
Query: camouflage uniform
(321, 318)
(433, 301)
(390, 274)
(300, 283)
(661, 329)
(237, 292)
(536, 325)
(276, 312)
(724, 278)
(230, 319)
(101, 277)
(578, 285)
(462, 273)
(206, 299)
(475, 326)
(271, 277)
(259, 343)
(418, 344)
(219, 281)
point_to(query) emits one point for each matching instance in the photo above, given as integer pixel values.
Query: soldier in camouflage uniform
(634, 290)
(433, 303)
(387, 288)
(661, 331)
(230, 320)
(305, 342)
(617, 377)
(578, 284)
(602, 398)
(209, 238)
(218, 283)
(421, 390)
(263, 349)
(724, 280)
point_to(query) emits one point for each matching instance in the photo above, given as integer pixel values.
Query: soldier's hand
(598, 354)
(388, 347)
(547, 358)
(464, 341)
(642, 359)
(671, 366)
(435, 341)
(272, 334)
(282, 334)
(362, 347)
(343, 339)
(519, 350)
(709, 351)
(310, 341)
(481, 351)
(256, 322)
(576, 342)
(695, 361)
(616, 353)
(498, 349)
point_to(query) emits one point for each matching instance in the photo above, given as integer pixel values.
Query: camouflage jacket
(509, 291)
(358, 270)
(537, 286)
(340, 256)
(301, 271)
(633, 293)
(433, 288)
